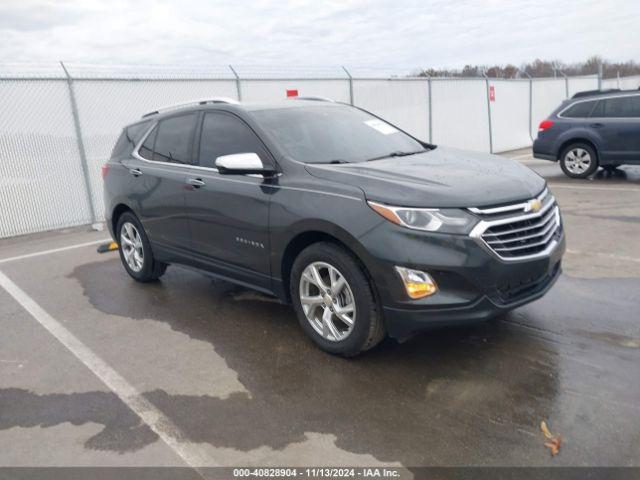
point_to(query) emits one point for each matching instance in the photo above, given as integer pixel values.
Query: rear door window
(174, 138)
(226, 134)
(579, 110)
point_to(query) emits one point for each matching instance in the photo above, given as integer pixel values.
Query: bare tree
(541, 68)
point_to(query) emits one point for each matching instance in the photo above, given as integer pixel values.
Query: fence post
(618, 79)
(530, 105)
(430, 106)
(566, 84)
(600, 76)
(350, 84)
(486, 79)
(81, 150)
(239, 90)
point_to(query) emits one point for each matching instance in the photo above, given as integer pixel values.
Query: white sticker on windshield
(382, 127)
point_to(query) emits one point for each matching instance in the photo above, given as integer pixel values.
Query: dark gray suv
(365, 229)
(597, 128)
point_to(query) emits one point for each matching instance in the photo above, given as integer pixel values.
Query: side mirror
(242, 163)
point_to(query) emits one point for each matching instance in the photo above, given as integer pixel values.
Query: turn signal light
(105, 170)
(544, 125)
(418, 284)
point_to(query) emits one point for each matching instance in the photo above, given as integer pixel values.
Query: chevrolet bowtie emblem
(533, 205)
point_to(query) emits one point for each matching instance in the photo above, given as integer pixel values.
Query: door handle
(136, 172)
(597, 125)
(196, 182)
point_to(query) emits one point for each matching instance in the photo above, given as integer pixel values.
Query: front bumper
(403, 322)
(474, 284)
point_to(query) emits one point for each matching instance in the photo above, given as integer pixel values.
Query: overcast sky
(398, 34)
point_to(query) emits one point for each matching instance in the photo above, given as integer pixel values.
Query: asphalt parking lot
(96, 369)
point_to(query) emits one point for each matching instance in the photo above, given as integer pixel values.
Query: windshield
(331, 133)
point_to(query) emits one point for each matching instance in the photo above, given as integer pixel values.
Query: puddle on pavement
(123, 430)
(406, 403)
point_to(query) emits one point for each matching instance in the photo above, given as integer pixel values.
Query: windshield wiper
(338, 161)
(398, 153)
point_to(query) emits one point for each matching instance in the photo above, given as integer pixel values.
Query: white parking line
(148, 413)
(606, 255)
(53, 250)
(587, 187)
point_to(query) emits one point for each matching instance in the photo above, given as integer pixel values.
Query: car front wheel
(334, 300)
(578, 160)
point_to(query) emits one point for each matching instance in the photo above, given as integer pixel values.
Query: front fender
(323, 226)
(344, 216)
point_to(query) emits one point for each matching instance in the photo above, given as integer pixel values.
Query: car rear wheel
(135, 250)
(579, 160)
(334, 300)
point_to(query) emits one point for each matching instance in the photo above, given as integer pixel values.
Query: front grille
(513, 234)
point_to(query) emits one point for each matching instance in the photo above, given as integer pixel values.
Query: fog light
(418, 284)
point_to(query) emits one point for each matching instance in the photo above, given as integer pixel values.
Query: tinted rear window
(174, 139)
(170, 141)
(579, 110)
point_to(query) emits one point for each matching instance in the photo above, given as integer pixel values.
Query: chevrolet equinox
(366, 230)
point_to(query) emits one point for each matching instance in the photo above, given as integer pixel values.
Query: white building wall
(510, 115)
(270, 90)
(404, 103)
(460, 114)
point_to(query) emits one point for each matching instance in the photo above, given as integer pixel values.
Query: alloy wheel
(577, 160)
(327, 301)
(131, 245)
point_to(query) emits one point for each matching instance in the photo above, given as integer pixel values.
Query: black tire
(565, 159)
(368, 326)
(151, 268)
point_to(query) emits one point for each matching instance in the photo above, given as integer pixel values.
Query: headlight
(444, 220)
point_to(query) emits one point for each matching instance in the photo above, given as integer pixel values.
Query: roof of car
(600, 93)
(231, 104)
(221, 102)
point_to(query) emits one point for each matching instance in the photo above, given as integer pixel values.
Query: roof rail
(314, 99)
(202, 101)
(588, 93)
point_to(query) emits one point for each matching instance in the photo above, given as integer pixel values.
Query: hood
(443, 177)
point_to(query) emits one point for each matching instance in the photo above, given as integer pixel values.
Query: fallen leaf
(545, 429)
(555, 441)
(554, 446)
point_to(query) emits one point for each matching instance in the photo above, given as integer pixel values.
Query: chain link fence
(59, 122)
